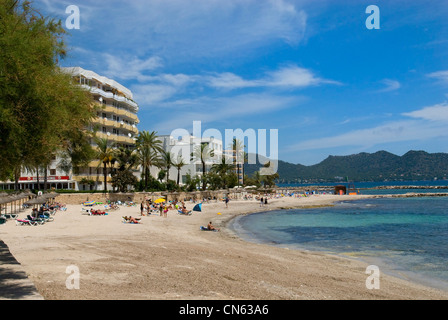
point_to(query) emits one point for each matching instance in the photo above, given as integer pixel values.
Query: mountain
(378, 166)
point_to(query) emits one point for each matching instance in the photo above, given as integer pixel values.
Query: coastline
(387, 267)
(171, 259)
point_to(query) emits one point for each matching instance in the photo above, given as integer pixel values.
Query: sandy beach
(170, 258)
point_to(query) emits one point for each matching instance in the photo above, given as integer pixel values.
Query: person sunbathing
(132, 219)
(185, 211)
(97, 212)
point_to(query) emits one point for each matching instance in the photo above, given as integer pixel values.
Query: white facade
(183, 148)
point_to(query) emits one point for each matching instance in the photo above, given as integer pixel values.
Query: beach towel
(206, 229)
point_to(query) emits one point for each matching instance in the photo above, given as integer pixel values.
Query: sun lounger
(37, 220)
(11, 216)
(184, 213)
(23, 222)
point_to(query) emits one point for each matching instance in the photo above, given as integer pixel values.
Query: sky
(310, 69)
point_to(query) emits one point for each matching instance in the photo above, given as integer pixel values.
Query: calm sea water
(369, 187)
(406, 237)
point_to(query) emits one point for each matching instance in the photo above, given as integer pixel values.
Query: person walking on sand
(142, 208)
(261, 201)
(227, 202)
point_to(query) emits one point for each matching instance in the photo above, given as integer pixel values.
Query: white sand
(170, 258)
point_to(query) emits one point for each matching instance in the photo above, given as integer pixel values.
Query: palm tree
(238, 152)
(126, 158)
(149, 148)
(179, 164)
(167, 160)
(202, 153)
(106, 154)
(122, 177)
(222, 169)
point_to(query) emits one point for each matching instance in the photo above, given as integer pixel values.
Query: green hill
(378, 166)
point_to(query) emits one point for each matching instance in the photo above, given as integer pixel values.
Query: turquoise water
(407, 237)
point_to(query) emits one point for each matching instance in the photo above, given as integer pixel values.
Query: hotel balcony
(116, 138)
(111, 95)
(115, 124)
(119, 112)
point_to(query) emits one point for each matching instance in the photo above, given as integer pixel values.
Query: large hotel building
(116, 120)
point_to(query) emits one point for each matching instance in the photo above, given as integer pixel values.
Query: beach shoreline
(171, 259)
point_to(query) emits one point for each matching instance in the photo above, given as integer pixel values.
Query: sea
(406, 237)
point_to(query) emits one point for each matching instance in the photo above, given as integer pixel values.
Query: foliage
(202, 153)
(41, 110)
(122, 179)
(149, 148)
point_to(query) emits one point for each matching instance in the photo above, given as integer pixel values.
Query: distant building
(183, 148)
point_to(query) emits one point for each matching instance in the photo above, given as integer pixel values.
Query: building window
(52, 172)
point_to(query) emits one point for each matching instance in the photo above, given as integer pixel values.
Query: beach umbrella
(160, 200)
(198, 207)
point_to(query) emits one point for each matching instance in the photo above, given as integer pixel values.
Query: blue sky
(310, 69)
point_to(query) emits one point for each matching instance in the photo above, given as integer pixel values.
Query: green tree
(149, 148)
(123, 176)
(179, 164)
(167, 162)
(40, 106)
(202, 153)
(269, 179)
(105, 153)
(223, 169)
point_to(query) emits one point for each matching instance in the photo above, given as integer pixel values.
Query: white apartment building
(183, 147)
(116, 120)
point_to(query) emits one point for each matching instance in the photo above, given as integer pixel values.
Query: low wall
(138, 197)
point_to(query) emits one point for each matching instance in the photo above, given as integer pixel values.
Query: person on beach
(266, 201)
(132, 220)
(261, 201)
(211, 227)
(142, 208)
(227, 202)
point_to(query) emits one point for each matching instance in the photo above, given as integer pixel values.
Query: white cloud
(438, 112)
(420, 125)
(290, 76)
(222, 109)
(179, 29)
(390, 85)
(150, 94)
(130, 68)
(440, 75)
